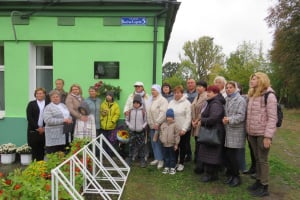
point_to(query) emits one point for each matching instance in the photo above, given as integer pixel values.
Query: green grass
(150, 184)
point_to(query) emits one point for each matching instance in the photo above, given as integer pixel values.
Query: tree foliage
(169, 69)
(285, 53)
(247, 59)
(200, 57)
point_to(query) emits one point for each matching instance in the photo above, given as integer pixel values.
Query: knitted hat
(84, 108)
(156, 87)
(170, 113)
(137, 98)
(110, 93)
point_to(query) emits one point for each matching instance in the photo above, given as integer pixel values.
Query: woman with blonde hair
(73, 101)
(261, 127)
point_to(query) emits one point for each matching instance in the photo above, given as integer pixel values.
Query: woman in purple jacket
(261, 127)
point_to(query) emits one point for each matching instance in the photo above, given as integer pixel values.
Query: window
(2, 99)
(42, 68)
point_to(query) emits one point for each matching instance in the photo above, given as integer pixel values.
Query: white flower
(24, 149)
(8, 148)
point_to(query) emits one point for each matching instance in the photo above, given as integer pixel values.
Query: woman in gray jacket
(234, 121)
(55, 115)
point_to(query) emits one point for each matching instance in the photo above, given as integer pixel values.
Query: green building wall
(75, 48)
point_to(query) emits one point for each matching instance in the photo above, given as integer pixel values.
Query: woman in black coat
(36, 125)
(212, 117)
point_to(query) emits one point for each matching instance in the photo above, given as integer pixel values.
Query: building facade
(118, 42)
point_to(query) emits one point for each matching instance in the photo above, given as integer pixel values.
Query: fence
(92, 171)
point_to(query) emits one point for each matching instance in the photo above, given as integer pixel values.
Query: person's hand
(41, 130)
(267, 143)
(175, 147)
(156, 127)
(84, 118)
(225, 120)
(68, 120)
(182, 132)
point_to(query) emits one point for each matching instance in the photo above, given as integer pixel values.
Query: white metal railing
(92, 171)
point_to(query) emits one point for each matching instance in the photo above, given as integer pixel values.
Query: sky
(229, 22)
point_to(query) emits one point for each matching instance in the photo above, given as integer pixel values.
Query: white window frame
(33, 67)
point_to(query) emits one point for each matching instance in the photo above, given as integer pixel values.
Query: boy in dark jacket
(136, 122)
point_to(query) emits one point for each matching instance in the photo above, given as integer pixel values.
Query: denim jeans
(156, 147)
(169, 157)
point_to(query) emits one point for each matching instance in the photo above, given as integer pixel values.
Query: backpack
(279, 110)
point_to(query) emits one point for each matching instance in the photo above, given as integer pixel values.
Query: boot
(236, 180)
(261, 191)
(254, 186)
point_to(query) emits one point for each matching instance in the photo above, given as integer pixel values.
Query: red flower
(8, 182)
(17, 186)
(47, 187)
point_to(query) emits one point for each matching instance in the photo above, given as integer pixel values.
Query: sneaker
(160, 164)
(166, 170)
(172, 171)
(154, 162)
(180, 167)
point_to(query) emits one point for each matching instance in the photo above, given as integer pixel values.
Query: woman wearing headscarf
(156, 114)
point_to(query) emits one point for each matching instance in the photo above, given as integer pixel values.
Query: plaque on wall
(106, 70)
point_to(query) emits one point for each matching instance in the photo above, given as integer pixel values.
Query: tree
(246, 60)
(285, 53)
(169, 69)
(200, 57)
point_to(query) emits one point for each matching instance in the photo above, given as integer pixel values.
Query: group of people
(162, 123)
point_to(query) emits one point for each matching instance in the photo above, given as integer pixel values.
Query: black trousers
(182, 150)
(37, 143)
(233, 168)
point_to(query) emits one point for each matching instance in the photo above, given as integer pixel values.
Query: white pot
(8, 158)
(25, 159)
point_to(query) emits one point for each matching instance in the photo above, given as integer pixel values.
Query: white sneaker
(172, 171)
(166, 170)
(180, 167)
(154, 162)
(160, 164)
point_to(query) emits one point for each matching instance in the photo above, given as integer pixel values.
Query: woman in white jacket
(156, 115)
(183, 118)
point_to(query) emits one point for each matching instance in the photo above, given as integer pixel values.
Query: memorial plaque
(106, 70)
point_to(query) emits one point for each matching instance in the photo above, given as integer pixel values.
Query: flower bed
(35, 180)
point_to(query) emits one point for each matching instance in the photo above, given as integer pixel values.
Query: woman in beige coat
(197, 105)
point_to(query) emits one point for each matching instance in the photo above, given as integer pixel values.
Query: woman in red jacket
(261, 127)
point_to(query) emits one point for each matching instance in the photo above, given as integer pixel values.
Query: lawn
(150, 184)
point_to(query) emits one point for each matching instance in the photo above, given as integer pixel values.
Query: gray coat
(235, 110)
(54, 120)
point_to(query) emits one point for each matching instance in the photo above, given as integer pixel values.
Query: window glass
(1, 55)
(2, 103)
(44, 56)
(44, 78)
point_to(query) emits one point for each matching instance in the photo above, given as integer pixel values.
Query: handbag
(209, 136)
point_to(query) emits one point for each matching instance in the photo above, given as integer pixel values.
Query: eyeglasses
(138, 86)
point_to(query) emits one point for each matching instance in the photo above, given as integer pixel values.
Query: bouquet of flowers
(24, 149)
(8, 148)
(102, 88)
(123, 136)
